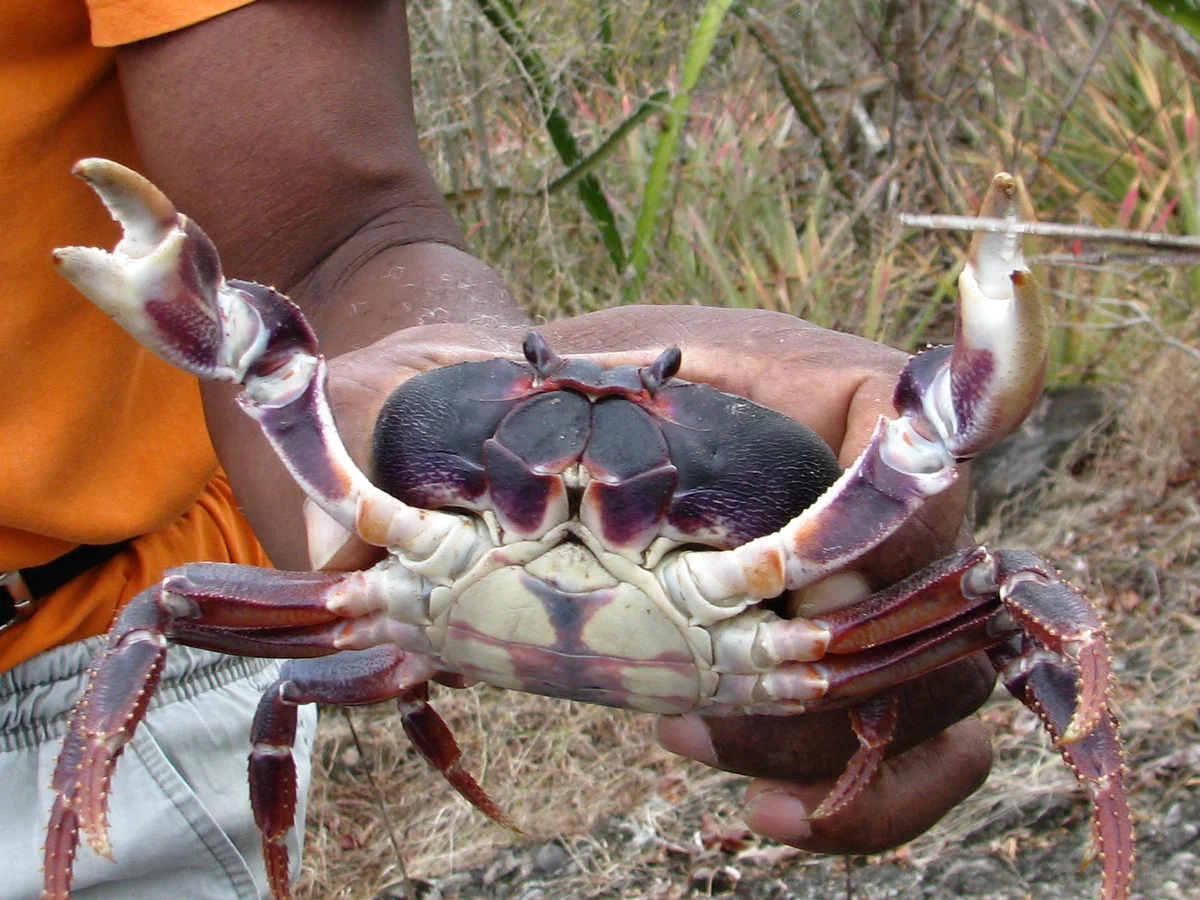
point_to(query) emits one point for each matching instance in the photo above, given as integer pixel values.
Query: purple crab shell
(632, 451)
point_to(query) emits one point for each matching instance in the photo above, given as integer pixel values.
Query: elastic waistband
(36, 696)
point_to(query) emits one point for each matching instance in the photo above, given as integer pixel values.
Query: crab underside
(610, 535)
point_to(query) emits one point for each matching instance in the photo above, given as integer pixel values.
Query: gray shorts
(179, 813)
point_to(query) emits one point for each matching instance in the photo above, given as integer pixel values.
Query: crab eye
(539, 355)
(661, 370)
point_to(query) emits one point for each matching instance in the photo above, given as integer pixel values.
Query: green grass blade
(648, 107)
(1184, 12)
(507, 21)
(695, 59)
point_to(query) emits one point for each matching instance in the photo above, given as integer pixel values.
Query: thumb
(331, 547)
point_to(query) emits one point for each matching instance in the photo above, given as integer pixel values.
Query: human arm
(286, 129)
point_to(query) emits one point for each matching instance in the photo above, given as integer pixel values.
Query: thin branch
(1054, 230)
(1080, 80)
(409, 890)
(800, 97)
(1107, 259)
(1110, 306)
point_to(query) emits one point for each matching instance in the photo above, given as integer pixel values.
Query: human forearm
(286, 130)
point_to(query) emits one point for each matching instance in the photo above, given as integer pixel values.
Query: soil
(698, 849)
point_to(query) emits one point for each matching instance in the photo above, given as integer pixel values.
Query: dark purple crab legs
(568, 565)
(286, 614)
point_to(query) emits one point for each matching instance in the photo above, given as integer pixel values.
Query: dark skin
(286, 129)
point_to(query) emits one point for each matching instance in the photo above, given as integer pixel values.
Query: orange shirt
(101, 440)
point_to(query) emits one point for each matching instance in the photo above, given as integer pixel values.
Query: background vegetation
(757, 154)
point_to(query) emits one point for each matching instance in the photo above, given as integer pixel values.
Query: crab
(611, 535)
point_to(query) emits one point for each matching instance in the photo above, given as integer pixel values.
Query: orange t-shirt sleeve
(117, 22)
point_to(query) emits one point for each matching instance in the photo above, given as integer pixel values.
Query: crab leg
(969, 601)
(953, 401)
(1043, 637)
(1042, 681)
(352, 678)
(931, 619)
(163, 284)
(874, 723)
(98, 729)
(244, 609)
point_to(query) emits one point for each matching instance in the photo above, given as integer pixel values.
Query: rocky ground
(633, 856)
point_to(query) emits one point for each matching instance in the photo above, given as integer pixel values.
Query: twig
(801, 99)
(1054, 230)
(1099, 259)
(409, 891)
(1080, 80)
(479, 123)
(1141, 317)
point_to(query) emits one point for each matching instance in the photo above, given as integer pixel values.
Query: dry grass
(755, 219)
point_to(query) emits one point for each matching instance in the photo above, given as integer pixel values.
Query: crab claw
(970, 396)
(162, 282)
(953, 401)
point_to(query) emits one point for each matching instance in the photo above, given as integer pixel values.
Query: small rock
(503, 866)
(1181, 874)
(551, 857)
(977, 878)
(1181, 836)
(453, 884)
(1185, 867)
(1020, 461)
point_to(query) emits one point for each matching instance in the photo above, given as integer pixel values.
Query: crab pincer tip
(142, 210)
(994, 256)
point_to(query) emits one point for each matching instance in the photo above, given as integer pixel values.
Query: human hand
(838, 385)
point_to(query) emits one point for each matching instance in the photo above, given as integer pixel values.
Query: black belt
(21, 589)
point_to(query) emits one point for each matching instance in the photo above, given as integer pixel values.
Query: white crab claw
(1000, 346)
(162, 282)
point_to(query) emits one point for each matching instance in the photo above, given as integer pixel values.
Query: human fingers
(818, 745)
(910, 793)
